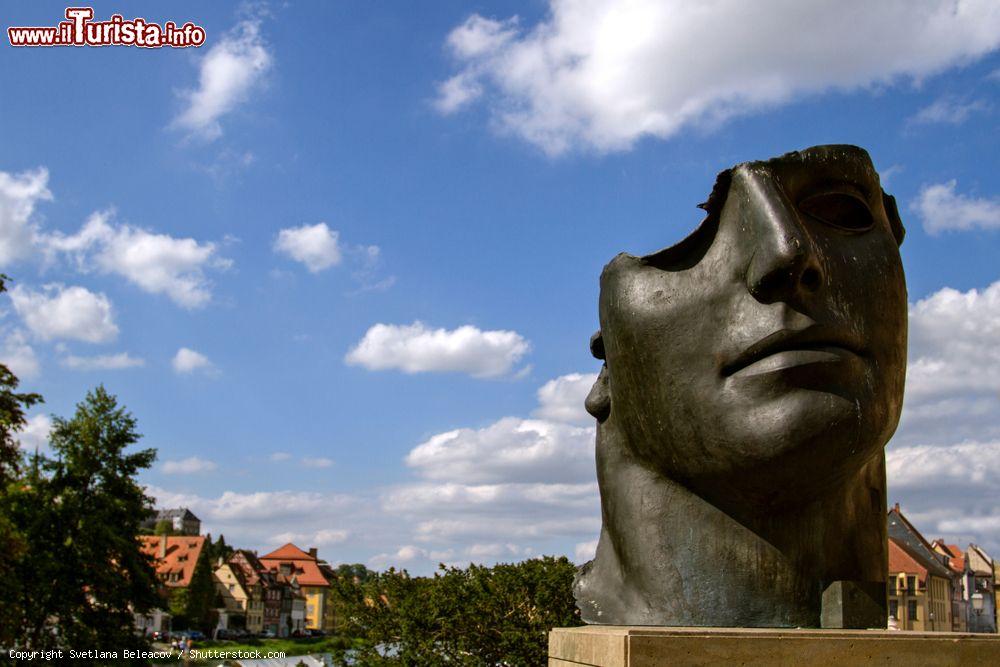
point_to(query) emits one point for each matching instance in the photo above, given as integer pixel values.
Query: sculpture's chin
(790, 447)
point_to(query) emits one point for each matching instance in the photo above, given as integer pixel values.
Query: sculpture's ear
(598, 401)
(892, 212)
(597, 345)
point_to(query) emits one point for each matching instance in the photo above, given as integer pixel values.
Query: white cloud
(187, 361)
(35, 434)
(19, 356)
(58, 312)
(118, 361)
(228, 73)
(280, 456)
(953, 343)
(943, 464)
(964, 465)
(156, 263)
(585, 551)
(321, 538)
(942, 209)
(317, 462)
(192, 465)
(368, 269)
(525, 484)
(948, 110)
(457, 92)
(259, 520)
(516, 527)
(19, 193)
(313, 245)
(415, 348)
(232, 505)
(562, 399)
(510, 450)
(605, 73)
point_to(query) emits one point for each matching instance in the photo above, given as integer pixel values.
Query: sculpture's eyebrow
(832, 169)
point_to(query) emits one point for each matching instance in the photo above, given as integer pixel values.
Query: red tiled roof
(956, 560)
(176, 565)
(900, 561)
(248, 564)
(288, 552)
(303, 565)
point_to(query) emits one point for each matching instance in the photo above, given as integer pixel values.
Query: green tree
(201, 594)
(13, 545)
(479, 615)
(12, 417)
(79, 512)
(164, 527)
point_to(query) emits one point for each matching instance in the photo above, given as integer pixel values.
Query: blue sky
(341, 261)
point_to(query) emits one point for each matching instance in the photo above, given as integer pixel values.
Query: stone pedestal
(640, 646)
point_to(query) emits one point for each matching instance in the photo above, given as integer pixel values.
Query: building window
(911, 584)
(894, 609)
(911, 610)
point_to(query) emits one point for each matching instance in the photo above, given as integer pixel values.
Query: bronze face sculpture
(753, 374)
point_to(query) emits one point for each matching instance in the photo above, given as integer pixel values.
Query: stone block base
(640, 646)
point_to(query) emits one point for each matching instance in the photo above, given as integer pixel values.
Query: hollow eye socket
(838, 209)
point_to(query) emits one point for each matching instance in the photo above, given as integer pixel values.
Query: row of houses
(282, 593)
(933, 586)
(939, 587)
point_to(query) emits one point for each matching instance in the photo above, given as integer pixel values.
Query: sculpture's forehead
(833, 162)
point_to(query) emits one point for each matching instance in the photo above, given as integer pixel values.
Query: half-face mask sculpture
(753, 375)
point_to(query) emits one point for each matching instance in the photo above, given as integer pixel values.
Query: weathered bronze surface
(753, 374)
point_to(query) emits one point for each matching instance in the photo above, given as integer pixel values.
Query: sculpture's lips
(786, 349)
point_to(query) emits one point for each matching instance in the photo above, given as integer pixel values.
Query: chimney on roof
(312, 552)
(896, 507)
(163, 547)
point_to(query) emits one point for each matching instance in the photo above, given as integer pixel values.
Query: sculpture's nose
(785, 262)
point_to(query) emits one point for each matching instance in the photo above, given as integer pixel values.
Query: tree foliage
(200, 598)
(479, 615)
(12, 418)
(81, 574)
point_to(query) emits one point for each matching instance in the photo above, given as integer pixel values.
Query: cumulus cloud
(255, 520)
(315, 246)
(603, 73)
(942, 464)
(35, 434)
(317, 462)
(511, 449)
(585, 551)
(562, 399)
(187, 361)
(415, 348)
(942, 209)
(949, 110)
(321, 538)
(103, 362)
(960, 465)
(953, 343)
(527, 485)
(156, 263)
(231, 70)
(190, 466)
(70, 313)
(19, 193)
(18, 355)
